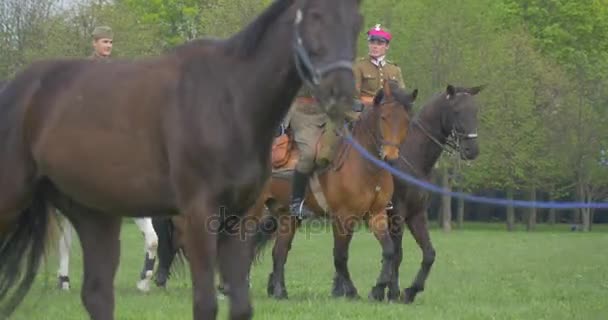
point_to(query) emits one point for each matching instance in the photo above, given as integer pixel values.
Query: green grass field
(480, 273)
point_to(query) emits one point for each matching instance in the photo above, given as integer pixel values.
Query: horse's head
(325, 48)
(460, 122)
(394, 107)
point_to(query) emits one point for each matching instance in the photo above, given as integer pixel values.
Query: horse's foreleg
(285, 234)
(379, 226)
(200, 243)
(235, 247)
(343, 233)
(418, 228)
(99, 238)
(150, 247)
(396, 228)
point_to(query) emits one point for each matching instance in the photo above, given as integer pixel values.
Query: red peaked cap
(378, 33)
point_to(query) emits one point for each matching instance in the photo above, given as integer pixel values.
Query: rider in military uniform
(102, 43)
(309, 123)
(370, 71)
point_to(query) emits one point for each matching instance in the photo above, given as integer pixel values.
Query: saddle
(285, 156)
(285, 152)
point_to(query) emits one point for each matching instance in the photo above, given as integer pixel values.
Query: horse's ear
(475, 90)
(450, 91)
(414, 95)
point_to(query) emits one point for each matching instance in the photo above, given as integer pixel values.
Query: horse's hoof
(409, 295)
(279, 293)
(63, 283)
(376, 294)
(393, 295)
(353, 296)
(143, 285)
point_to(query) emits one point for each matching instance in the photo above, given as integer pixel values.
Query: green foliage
(543, 119)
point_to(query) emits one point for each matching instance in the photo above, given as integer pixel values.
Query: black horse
(448, 120)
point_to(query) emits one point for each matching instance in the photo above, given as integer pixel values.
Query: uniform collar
(380, 62)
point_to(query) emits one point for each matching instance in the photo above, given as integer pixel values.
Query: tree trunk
(460, 212)
(531, 222)
(446, 202)
(510, 212)
(586, 213)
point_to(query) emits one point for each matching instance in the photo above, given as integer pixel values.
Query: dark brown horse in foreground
(350, 191)
(186, 133)
(449, 119)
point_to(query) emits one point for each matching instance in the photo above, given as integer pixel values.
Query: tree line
(543, 116)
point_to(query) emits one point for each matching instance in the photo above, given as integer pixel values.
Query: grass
(480, 273)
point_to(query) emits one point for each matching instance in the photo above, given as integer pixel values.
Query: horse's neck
(274, 79)
(364, 133)
(421, 151)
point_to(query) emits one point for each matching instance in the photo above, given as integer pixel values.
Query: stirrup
(298, 210)
(389, 206)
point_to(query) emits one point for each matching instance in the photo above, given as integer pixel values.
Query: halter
(453, 139)
(310, 74)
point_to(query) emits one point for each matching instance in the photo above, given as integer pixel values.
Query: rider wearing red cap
(370, 71)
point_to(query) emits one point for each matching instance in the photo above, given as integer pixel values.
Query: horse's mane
(247, 40)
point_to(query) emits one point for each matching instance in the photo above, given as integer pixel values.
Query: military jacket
(368, 76)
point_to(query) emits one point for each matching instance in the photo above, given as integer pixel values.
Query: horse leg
(100, 240)
(396, 227)
(343, 234)
(418, 228)
(167, 249)
(65, 247)
(151, 245)
(276, 281)
(379, 226)
(200, 245)
(234, 254)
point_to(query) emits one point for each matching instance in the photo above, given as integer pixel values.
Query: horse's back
(95, 129)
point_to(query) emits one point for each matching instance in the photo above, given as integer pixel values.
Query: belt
(367, 101)
(306, 100)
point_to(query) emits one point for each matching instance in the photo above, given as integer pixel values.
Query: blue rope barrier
(496, 201)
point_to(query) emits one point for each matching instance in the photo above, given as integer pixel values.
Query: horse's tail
(267, 227)
(21, 251)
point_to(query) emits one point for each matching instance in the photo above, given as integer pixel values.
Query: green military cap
(102, 32)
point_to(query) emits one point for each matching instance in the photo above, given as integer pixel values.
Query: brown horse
(188, 133)
(349, 191)
(447, 120)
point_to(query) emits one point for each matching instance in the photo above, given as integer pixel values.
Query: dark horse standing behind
(188, 133)
(448, 120)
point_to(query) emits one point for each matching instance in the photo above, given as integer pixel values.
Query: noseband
(309, 73)
(453, 139)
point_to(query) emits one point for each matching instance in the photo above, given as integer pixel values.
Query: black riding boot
(298, 190)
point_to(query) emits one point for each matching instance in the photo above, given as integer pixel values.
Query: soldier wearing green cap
(102, 43)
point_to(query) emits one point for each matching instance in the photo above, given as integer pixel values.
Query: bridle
(453, 139)
(308, 72)
(380, 142)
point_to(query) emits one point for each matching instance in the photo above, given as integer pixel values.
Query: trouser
(308, 128)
